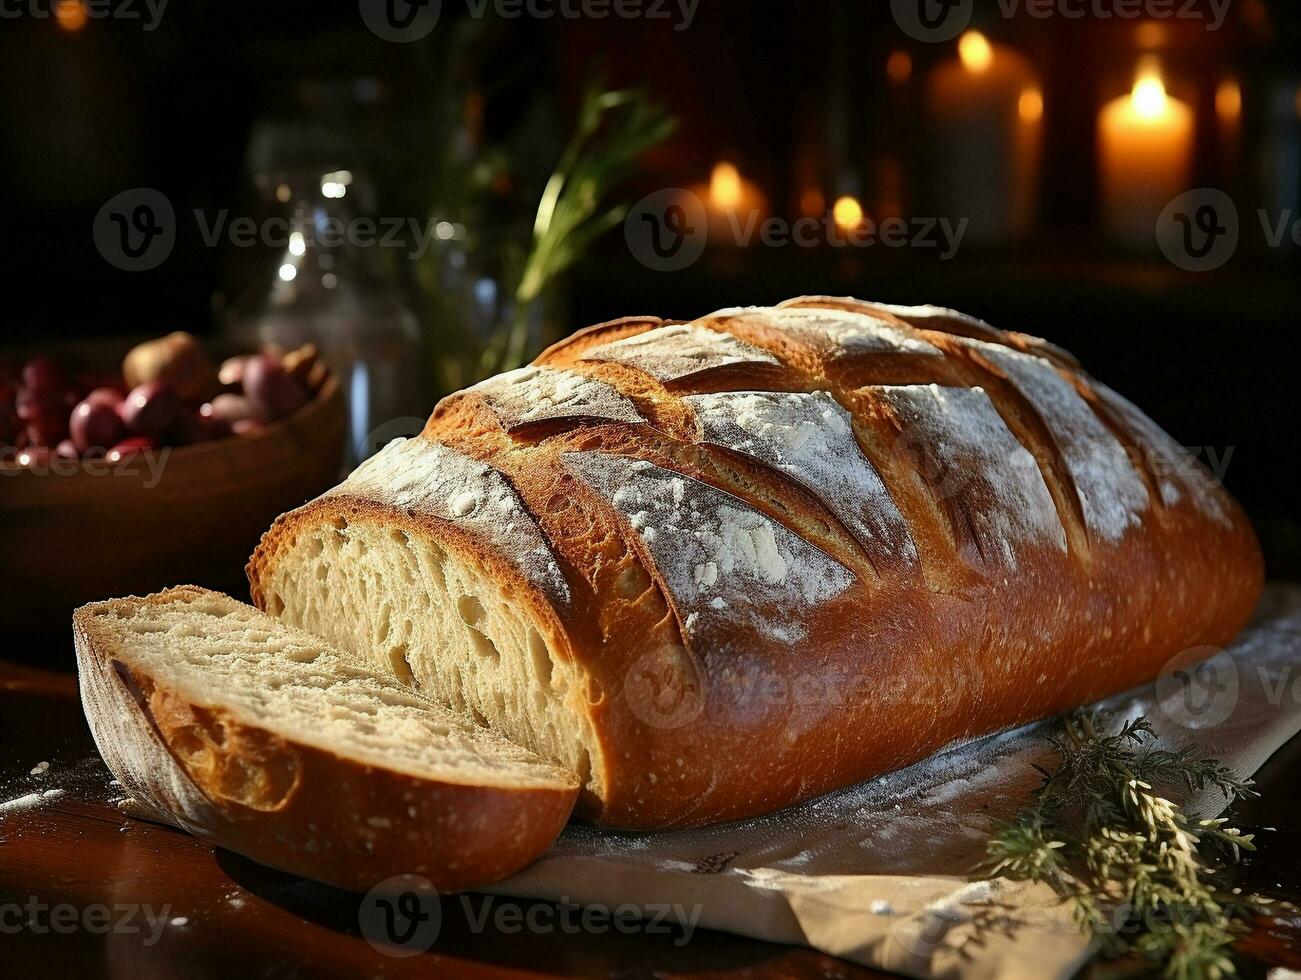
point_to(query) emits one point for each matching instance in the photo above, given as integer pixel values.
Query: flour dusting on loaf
(1176, 469)
(723, 563)
(852, 533)
(428, 477)
(972, 460)
(928, 317)
(673, 353)
(838, 332)
(537, 393)
(1110, 491)
(810, 438)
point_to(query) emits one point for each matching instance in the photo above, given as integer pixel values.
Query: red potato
(95, 425)
(228, 408)
(177, 359)
(192, 427)
(150, 409)
(106, 395)
(272, 391)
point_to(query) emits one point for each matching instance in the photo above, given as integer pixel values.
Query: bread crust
(708, 724)
(292, 806)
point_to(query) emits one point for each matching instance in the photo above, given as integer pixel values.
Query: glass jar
(334, 285)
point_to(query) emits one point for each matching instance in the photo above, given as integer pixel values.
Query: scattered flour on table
(30, 801)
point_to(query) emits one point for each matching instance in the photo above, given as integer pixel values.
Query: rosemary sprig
(615, 127)
(1132, 864)
(578, 204)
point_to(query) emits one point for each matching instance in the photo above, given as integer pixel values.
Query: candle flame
(975, 51)
(1149, 96)
(1030, 106)
(725, 185)
(847, 212)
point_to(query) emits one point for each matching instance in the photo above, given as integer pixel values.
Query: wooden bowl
(85, 530)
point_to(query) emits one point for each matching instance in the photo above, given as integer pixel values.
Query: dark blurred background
(814, 108)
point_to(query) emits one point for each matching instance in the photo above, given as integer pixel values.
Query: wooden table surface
(196, 912)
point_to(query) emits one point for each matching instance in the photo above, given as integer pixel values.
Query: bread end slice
(262, 739)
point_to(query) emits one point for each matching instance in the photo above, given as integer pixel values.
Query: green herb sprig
(614, 128)
(1137, 870)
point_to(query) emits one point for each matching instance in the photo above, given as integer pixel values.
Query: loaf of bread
(716, 568)
(258, 737)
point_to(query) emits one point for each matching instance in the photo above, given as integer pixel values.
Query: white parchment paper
(881, 873)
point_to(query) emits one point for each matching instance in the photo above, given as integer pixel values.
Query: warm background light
(70, 14)
(1030, 106)
(975, 52)
(725, 186)
(1150, 35)
(732, 203)
(1145, 145)
(847, 212)
(812, 203)
(899, 66)
(1228, 100)
(1149, 96)
(984, 106)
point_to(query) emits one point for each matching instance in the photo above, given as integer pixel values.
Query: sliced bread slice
(259, 737)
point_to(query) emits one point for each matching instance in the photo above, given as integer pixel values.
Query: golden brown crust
(963, 639)
(293, 806)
